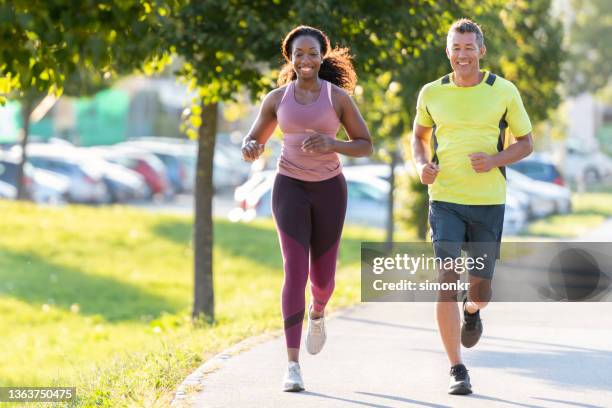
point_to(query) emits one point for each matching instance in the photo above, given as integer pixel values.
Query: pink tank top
(296, 122)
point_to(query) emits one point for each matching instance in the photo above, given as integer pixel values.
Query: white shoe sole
(293, 388)
(310, 350)
(315, 348)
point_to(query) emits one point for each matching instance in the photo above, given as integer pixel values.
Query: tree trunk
(390, 204)
(26, 109)
(204, 302)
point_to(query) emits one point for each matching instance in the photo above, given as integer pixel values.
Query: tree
(60, 46)
(234, 51)
(589, 46)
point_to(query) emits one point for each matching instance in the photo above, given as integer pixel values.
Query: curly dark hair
(336, 66)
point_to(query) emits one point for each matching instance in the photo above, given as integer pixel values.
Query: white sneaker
(315, 340)
(293, 378)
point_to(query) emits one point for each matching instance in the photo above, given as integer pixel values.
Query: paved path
(390, 355)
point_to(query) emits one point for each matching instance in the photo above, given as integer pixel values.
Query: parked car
(8, 173)
(232, 168)
(544, 198)
(539, 167)
(151, 168)
(164, 139)
(49, 187)
(382, 170)
(86, 178)
(367, 198)
(515, 216)
(7, 191)
(178, 159)
(181, 161)
(586, 166)
(41, 186)
(123, 184)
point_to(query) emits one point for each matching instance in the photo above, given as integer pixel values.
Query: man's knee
(480, 291)
(448, 276)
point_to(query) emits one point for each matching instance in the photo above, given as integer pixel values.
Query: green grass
(100, 298)
(589, 211)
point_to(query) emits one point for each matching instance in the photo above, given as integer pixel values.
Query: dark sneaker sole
(294, 388)
(460, 390)
(467, 339)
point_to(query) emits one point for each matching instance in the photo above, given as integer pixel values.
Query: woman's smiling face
(306, 57)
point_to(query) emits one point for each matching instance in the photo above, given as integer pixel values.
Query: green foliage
(412, 211)
(589, 47)
(43, 43)
(236, 49)
(533, 62)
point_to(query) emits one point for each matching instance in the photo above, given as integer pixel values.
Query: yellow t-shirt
(469, 120)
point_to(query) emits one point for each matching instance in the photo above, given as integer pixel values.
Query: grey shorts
(477, 229)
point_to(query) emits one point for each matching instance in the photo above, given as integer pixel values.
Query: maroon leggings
(309, 218)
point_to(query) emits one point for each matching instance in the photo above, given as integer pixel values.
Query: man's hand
(251, 150)
(317, 143)
(428, 172)
(482, 162)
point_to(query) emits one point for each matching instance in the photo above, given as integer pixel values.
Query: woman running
(309, 194)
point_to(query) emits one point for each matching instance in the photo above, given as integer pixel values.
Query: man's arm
(420, 154)
(482, 162)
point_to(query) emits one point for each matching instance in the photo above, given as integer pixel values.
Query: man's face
(463, 52)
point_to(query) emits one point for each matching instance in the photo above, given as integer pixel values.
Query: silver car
(367, 198)
(86, 179)
(544, 198)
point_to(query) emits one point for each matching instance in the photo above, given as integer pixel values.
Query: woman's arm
(359, 143)
(263, 127)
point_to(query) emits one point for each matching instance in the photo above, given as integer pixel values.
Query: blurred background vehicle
(179, 159)
(86, 180)
(7, 191)
(544, 198)
(586, 166)
(41, 186)
(151, 168)
(540, 167)
(367, 198)
(49, 187)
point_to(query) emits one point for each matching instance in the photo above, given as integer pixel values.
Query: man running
(466, 113)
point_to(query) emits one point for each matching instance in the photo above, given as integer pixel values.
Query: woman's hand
(251, 150)
(317, 143)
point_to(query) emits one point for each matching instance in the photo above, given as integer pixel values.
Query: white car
(7, 191)
(515, 217)
(586, 167)
(367, 198)
(86, 183)
(544, 198)
(50, 187)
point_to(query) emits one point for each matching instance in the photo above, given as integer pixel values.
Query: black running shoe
(471, 328)
(459, 381)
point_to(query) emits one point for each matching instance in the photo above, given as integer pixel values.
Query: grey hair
(465, 25)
